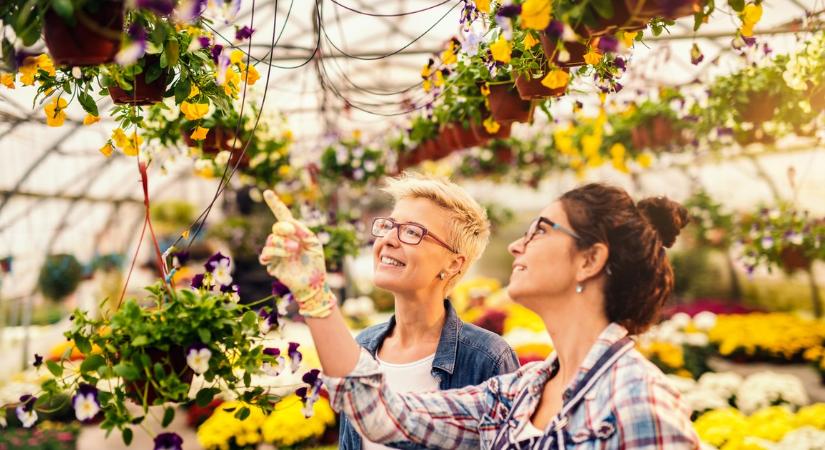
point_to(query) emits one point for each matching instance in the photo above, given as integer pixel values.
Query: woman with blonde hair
(593, 266)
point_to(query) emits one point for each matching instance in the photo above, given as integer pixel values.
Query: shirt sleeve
(650, 416)
(441, 419)
(508, 362)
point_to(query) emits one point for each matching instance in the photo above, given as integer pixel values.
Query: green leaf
(127, 371)
(182, 90)
(140, 341)
(242, 413)
(168, 416)
(737, 5)
(205, 335)
(54, 368)
(250, 319)
(172, 51)
(247, 379)
(91, 363)
(126, 434)
(205, 396)
(604, 8)
(83, 345)
(64, 9)
(87, 102)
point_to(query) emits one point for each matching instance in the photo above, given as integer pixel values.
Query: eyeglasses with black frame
(534, 228)
(408, 232)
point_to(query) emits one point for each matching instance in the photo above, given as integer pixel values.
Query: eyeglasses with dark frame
(408, 232)
(534, 228)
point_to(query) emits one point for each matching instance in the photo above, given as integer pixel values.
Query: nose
(516, 247)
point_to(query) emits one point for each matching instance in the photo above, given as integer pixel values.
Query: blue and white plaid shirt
(631, 406)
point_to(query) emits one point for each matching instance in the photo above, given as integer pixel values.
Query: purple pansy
(85, 403)
(295, 356)
(168, 441)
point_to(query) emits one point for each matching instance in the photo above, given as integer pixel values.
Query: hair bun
(666, 216)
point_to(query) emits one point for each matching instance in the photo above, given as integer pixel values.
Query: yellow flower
(556, 79)
(426, 71)
(491, 125)
(132, 145)
(55, 116)
(483, 6)
(644, 160)
(199, 134)
(232, 82)
(591, 144)
(46, 63)
(628, 37)
(485, 89)
(592, 57)
(535, 14)
(28, 70)
(287, 134)
(107, 149)
(90, 119)
(439, 79)
(751, 15)
(287, 426)
(529, 41)
(617, 151)
(194, 91)
(194, 111)
(448, 56)
(251, 75)
(501, 49)
(204, 168)
(120, 138)
(427, 85)
(284, 171)
(236, 56)
(7, 80)
(356, 134)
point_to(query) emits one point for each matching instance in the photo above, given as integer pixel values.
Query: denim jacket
(466, 355)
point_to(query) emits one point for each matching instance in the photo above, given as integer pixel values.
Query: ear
(592, 261)
(455, 265)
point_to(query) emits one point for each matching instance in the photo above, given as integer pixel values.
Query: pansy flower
(268, 320)
(197, 358)
(168, 441)
(219, 266)
(189, 10)
(38, 360)
(25, 411)
(295, 356)
(243, 33)
(309, 395)
(85, 402)
(135, 48)
(273, 369)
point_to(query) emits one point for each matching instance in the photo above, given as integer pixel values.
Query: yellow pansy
(501, 49)
(628, 37)
(644, 160)
(55, 116)
(107, 149)
(483, 6)
(194, 111)
(592, 57)
(7, 80)
(426, 71)
(46, 63)
(618, 150)
(751, 15)
(448, 56)
(427, 85)
(120, 138)
(491, 125)
(132, 145)
(529, 41)
(438, 79)
(535, 14)
(230, 85)
(90, 119)
(28, 70)
(284, 171)
(485, 89)
(251, 75)
(556, 79)
(199, 134)
(236, 56)
(194, 91)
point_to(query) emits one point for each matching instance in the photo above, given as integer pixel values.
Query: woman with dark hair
(593, 266)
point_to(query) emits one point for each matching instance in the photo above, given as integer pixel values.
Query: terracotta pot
(793, 259)
(93, 40)
(760, 108)
(219, 139)
(504, 154)
(464, 137)
(575, 49)
(507, 106)
(531, 88)
(640, 138)
(176, 362)
(622, 19)
(142, 93)
(816, 95)
(483, 135)
(754, 136)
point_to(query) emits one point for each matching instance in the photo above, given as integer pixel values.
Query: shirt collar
(445, 353)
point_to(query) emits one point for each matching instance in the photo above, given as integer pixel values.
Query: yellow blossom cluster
(751, 15)
(773, 335)
(669, 354)
(128, 144)
(237, 72)
(729, 429)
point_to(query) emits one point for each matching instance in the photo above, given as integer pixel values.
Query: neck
(574, 324)
(418, 318)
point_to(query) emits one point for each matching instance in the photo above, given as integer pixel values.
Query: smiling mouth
(519, 268)
(386, 260)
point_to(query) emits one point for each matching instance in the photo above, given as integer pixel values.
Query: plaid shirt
(631, 406)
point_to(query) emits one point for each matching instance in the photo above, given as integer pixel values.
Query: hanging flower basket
(507, 106)
(816, 95)
(531, 88)
(93, 39)
(576, 50)
(794, 258)
(142, 93)
(217, 140)
(483, 135)
(760, 108)
(463, 137)
(655, 133)
(172, 361)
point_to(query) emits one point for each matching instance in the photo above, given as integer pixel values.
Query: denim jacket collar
(445, 353)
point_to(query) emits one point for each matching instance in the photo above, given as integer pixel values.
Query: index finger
(278, 208)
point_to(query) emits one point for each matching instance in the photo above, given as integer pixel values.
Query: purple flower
(204, 41)
(160, 7)
(216, 51)
(197, 281)
(189, 10)
(179, 258)
(270, 368)
(38, 360)
(696, 55)
(216, 259)
(309, 395)
(136, 47)
(749, 41)
(85, 403)
(25, 411)
(620, 63)
(555, 29)
(269, 320)
(512, 11)
(724, 131)
(608, 44)
(168, 441)
(279, 289)
(295, 356)
(244, 33)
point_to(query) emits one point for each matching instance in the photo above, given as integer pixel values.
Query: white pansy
(198, 359)
(26, 418)
(222, 158)
(221, 275)
(85, 406)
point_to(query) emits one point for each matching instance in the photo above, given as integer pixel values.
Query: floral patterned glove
(294, 256)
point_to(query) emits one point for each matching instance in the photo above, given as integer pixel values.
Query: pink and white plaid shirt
(631, 406)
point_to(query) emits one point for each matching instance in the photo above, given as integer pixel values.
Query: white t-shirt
(408, 377)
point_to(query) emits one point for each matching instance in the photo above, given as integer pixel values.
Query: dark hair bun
(666, 216)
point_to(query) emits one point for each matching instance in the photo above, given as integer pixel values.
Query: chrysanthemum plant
(150, 354)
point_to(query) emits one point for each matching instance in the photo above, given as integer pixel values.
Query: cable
(408, 13)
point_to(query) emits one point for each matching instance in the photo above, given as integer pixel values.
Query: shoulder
(482, 342)
(371, 333)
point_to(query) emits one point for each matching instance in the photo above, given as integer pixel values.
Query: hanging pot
(760, 108)
(217, 140)
(93, 39)
(142, 93)
(464, 137)
(483, 135)
(531, 88)
(507, 106)
(794, 258)
(551, 49)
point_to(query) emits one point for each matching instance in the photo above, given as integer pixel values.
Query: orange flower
(55, 116)
(199, 134)
(90, 119)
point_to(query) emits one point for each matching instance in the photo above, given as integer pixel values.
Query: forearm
(334, 343)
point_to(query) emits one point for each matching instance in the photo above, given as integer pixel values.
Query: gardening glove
(295, 257)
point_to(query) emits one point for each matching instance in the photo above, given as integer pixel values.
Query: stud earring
(442, 275)
(579, 288)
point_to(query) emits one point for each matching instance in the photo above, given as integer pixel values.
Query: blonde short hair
(469, 229)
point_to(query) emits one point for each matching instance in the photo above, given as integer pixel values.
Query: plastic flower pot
(447, 142)
(483, 135)
(760, 108)
(219, 139)
(176, 362)
(794, 258)
(93, 39)
(531, 88)
(142, 93)
(464, 137)
(507, 106)
(551, 49)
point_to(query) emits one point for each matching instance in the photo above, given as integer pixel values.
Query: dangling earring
(579, 288)
(442, 275)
